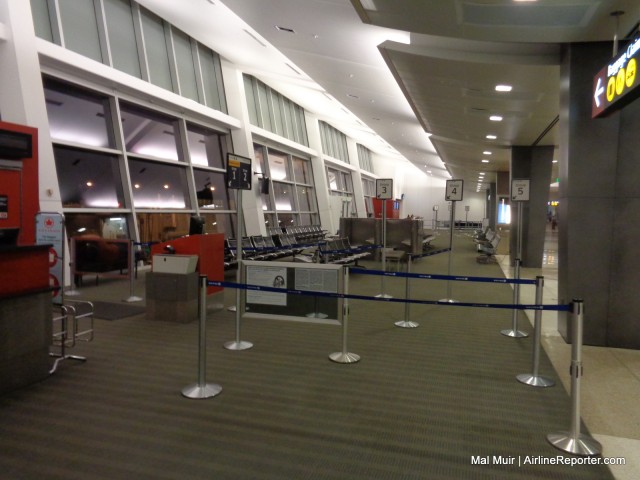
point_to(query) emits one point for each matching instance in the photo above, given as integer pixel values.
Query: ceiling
(413, 79)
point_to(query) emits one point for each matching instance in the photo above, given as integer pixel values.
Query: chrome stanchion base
(207, 390)
(406, 324)
(448, 300)
(215, 307)
(341, 357)
(241, 345)
(133, 298)
(316, 315)
(383, 295)
(514, 333)
(581, 445)
(535, 380)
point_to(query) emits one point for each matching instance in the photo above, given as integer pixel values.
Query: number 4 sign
(520, 190)
(454, 190)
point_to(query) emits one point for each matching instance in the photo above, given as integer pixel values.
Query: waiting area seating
(339, 251)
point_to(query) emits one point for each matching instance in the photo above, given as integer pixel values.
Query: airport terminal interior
(319, 239)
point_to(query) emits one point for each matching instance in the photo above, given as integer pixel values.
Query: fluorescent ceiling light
(554, 161)
(495, 118)
(503, 88)
(487, 152)
(484, 160)
(491, 137)
(369, 5)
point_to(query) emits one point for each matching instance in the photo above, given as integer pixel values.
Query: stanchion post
(201, 389)
(407, 323)
(238, 344)
(573, 441)
(452, 222)
(382, 293)
(345, 356)
(72, 270)
(132, 266)
(513, 331)
(534, 379)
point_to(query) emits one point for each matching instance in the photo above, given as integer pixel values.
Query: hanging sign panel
(238, 172)
(454, 191)
(618, 83)
(520, 190)
(384, 188)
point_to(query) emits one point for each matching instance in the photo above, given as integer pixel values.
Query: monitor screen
(196, 225)
(9, 236)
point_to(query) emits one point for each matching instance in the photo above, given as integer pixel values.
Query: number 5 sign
(520, 190)
(454, 190)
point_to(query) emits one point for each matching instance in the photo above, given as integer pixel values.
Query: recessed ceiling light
(503, 88)
(491, 137)
(495, 118)
(484, 160)
(369, 5)
(285, 29)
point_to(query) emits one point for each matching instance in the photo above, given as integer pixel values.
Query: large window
(268, 109)
(130, 38)
(334, 142)
(151, 182)
(122, 36)
(341, 185)
(77, 116)
(158, 185)
(88, 179)
(148, 133)
(288, 196)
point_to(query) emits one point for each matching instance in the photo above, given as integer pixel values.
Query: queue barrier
(572, 441)
(67, 331)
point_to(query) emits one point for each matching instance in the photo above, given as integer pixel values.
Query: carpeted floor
(422, 403)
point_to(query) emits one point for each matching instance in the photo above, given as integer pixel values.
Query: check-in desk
(25, 315)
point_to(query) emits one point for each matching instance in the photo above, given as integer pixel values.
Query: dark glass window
(158, 185)
(88, 179)
(77, 116)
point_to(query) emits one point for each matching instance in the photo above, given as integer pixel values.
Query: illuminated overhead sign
(617, 84)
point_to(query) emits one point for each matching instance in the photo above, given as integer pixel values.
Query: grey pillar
(533, 163)
(599, 210)
(492, 205)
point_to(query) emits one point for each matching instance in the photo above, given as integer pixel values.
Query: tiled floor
(610, 386)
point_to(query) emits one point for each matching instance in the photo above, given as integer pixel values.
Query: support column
(599, 209)
(533, 163)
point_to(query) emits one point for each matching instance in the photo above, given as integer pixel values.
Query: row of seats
(262, 248)
(487, 241)
(303, 233)
(340, 251)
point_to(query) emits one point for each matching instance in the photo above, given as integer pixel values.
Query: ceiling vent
(561, 13)
(285, 29)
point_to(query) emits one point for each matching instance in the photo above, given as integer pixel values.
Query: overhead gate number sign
(617, 84)
(238, 172)
(454, 191)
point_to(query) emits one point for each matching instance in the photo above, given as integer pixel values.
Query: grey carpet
(115, 311)
(419, 405)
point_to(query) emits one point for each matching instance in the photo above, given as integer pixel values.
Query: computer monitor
(196, 225)
(9, 236)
